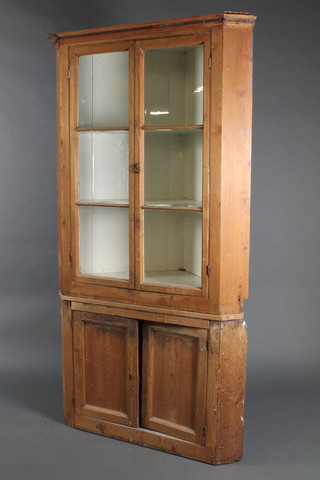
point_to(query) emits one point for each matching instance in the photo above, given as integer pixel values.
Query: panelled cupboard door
(106, 368)
(174, 381)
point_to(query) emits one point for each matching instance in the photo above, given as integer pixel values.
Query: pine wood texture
(201, 319)
(67, 362)
(231, 104)
(174, 381)
(144, 437)
(63, 170)
(151, 29)
(161, 365)
(227, 371)
(193, 383)
(235, 165)
(106, 368)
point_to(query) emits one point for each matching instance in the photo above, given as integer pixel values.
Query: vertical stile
(63, 170)
(139, 177)
(74, 163)
(132, 135)
(205, 167)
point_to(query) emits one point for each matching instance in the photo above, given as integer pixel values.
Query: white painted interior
(104, 241)
(104, 90)
(173, 167)
(194, 83)
(104, 166)
(173, 247)
(173, 82)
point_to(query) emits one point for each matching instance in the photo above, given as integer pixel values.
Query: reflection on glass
(174, 86)
(173, 168)
(104, 242)
(172, 247)
(104, 90)
(103, 167)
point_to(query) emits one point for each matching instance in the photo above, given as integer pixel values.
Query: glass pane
(104, 90)
(103, 167)
(104, 241)
(173, 168)
(172, 247)
(174, 86)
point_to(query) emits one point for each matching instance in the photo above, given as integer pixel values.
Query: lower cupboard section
(175, 388)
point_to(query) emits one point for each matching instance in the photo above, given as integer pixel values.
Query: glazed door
(101, 153)
(174, 381)
(139, 130)
(106, 368)
(172, 141)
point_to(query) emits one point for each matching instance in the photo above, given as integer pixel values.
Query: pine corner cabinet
(154, 145)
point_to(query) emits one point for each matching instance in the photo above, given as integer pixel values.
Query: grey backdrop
(282, 415)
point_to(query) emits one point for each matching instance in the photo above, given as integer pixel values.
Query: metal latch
(136, 168)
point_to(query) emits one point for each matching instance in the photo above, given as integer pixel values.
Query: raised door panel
(174, 381)
(106, 368)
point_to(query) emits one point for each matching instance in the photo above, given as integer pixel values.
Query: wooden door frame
(74, 54)
(165, 42)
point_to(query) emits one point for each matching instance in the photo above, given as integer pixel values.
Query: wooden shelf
(116, 275)
(104, 203)
(173, 277)
(172, 127)
(101, 129)
(178, 205)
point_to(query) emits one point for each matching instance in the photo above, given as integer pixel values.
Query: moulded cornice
(221, 18)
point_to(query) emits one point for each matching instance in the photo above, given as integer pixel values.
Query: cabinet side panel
(231, 392)
(67, 363)
(63, 172)
(236, 164)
